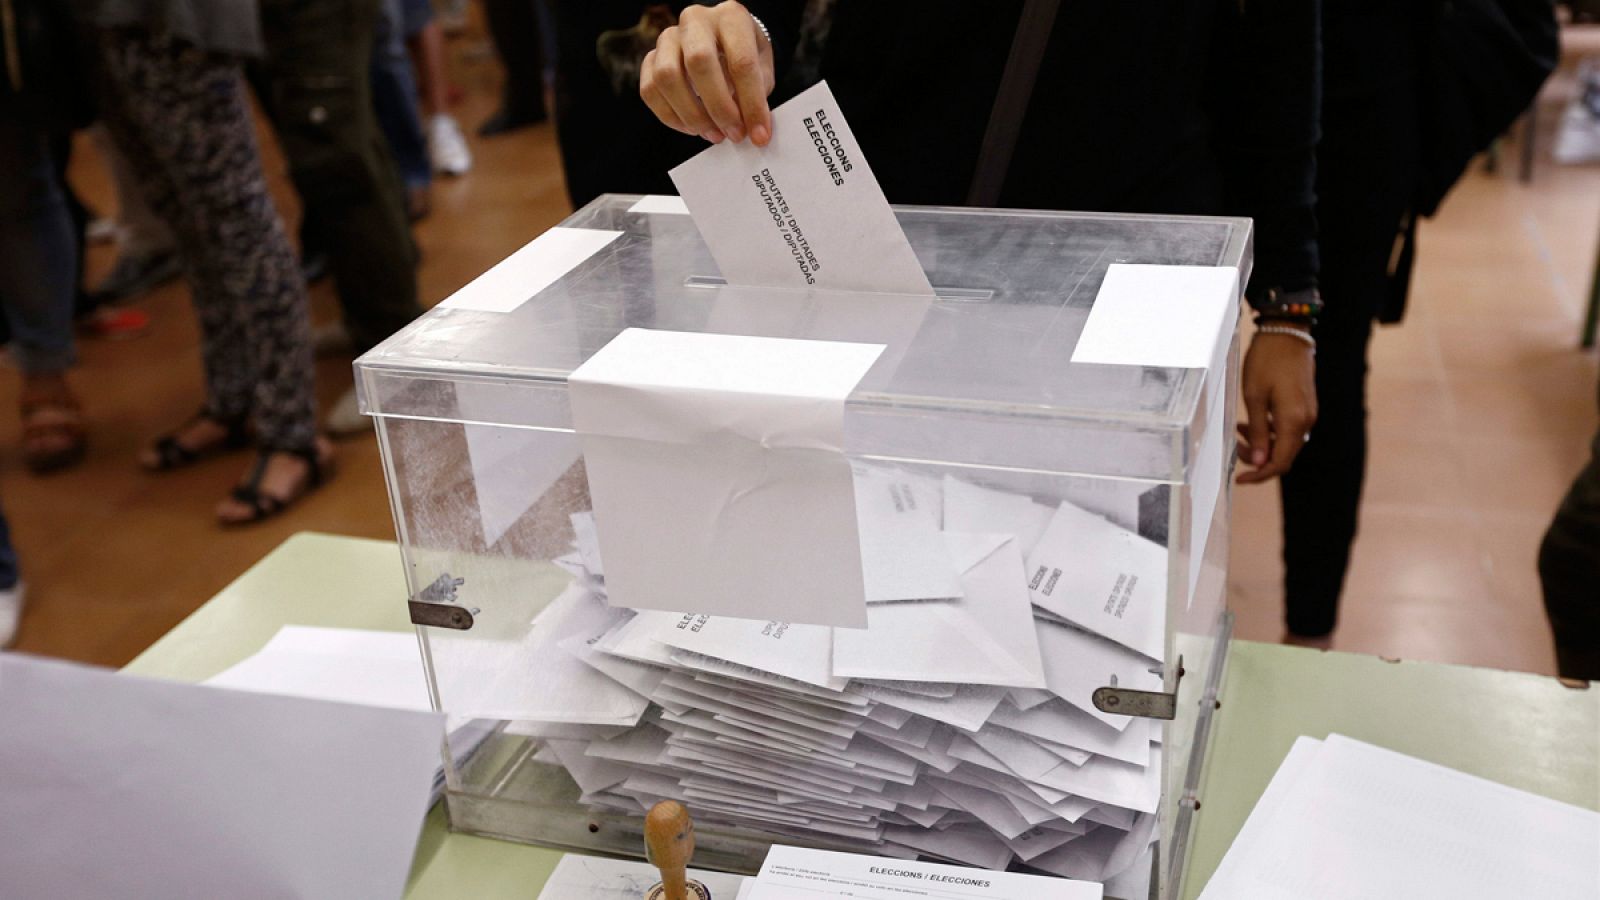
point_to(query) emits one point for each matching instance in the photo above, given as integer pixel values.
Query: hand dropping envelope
(1102, 578)
(718, 476)
(803, 212)
(987, 637)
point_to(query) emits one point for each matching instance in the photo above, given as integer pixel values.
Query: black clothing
(610, 141)
(1177, 106)
(514, 28)
(315, 85)
(1366, 179)
(1569, 571)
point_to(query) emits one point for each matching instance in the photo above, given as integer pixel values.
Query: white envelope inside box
(718, 477)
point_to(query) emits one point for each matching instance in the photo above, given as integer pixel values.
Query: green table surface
(1526, 731)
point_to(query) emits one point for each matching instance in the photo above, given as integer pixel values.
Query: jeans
(394, 95)
(315, 82)
(38, 251)
(1569, 571)
(10, 574)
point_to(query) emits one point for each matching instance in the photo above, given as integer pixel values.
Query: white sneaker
(10, 612)
(448, 146)
(345, 418)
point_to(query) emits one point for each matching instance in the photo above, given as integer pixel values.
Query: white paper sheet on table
(716, 468)
(578, 877)
(1164, 316)
(1355, 820)
(130, 787)
(348, 665)
(987, 637)
(804, 211)
(521, 276)
(1102, 578)
(793, 873)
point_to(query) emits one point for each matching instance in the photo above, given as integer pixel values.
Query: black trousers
(1569, 571)
(1364, 185)
(514, 28)
(315, 85)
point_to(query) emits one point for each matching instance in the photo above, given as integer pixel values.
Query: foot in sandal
(201, 437)
(53, 435)
(278, 479)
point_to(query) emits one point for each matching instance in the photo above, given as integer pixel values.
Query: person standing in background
(1569, 572)
(41, 100)
(170, 92)
(147, 253)
(314, 80)
(396, 104)
(425, 39)
(1384, 160)
(518, 42)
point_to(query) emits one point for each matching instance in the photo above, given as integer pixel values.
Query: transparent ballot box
(1043, 545)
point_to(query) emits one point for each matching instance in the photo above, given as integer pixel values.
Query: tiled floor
(1482, 407)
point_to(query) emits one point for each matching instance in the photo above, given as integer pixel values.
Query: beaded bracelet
(1291, 332)
(1301, 305)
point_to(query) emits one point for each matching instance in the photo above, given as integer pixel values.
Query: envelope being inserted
(803, 212)
(718, 476)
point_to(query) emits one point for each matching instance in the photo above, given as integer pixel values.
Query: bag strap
(8, 33)
(1402, 258)
(1011, 101)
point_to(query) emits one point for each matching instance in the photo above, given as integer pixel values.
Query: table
(1476, 720)
(341, 582)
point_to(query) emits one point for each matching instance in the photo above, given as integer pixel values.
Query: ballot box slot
(943, 292)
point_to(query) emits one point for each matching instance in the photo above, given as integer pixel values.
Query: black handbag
(1483, 64)
(42, 76)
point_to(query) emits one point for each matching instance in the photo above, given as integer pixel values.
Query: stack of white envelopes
(957, 725)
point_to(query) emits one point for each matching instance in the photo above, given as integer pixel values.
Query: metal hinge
(435, 605)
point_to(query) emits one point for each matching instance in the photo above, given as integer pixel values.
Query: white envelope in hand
(1102, 578)
(987, 637)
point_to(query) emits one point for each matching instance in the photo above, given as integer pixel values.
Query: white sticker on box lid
(1165, 316)
(664, 204)
(718, 476)
(521, 276)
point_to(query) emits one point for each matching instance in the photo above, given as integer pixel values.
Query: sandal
(172, 455)
(319, 468)
(53, 436)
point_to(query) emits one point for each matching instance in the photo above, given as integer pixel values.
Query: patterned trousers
(179, 115)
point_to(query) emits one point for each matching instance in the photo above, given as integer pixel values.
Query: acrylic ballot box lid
(976, 388)
(982, 375)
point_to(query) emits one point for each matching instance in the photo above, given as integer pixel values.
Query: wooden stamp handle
(669, 845)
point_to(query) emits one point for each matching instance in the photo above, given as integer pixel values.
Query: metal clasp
(1145, 704)
(436, 605)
